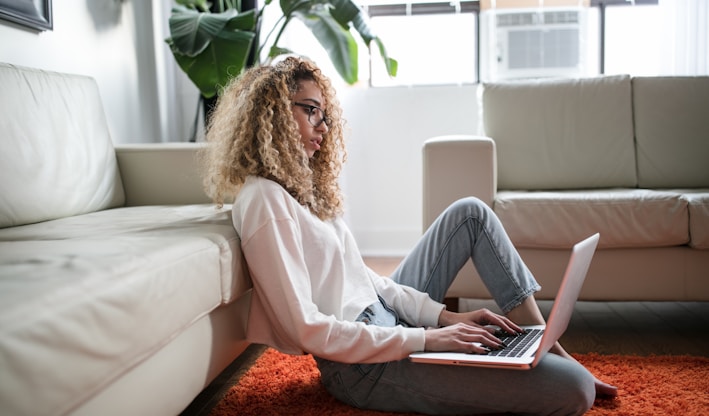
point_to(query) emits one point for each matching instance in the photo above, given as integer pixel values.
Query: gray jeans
(467, 229)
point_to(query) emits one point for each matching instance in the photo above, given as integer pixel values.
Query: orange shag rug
(279, 384)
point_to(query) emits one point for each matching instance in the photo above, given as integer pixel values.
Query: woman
(276, 145)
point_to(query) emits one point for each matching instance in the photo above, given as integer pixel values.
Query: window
(435, 43)
(458, 43)
(633, 28)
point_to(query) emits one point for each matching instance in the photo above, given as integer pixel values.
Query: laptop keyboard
(516, 344)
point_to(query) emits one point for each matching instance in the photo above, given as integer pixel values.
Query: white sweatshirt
(310, 284)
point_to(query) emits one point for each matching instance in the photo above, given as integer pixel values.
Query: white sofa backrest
(57, 158)
(562, 133)
(672, 131)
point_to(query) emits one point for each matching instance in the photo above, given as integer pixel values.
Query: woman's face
(311, 119)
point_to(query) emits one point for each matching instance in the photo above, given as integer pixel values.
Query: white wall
(382, 178)
(110, 40)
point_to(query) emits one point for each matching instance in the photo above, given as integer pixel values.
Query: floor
(629, 328)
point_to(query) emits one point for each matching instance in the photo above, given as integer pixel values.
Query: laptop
(524, 351)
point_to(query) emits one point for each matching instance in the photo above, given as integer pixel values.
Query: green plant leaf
(346, 9)
(211, 48)
(338, 42)
(243, 21)
(288, 7)
(223, 58)
(392, 65)
(194, 4)
(191, 31)
(348, 15)
(276, 51)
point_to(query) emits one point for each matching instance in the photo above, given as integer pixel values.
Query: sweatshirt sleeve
(413, 306)
(287, 315)
(281, 283)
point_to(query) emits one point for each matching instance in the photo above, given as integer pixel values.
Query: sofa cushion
(624, 217)
(672, 131)
(562, 134)
(57, 158)
(91, 296)
(698, 200)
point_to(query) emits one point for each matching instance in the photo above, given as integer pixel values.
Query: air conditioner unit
(523, 43)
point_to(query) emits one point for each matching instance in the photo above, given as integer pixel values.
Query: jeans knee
(579, 396)
(581, 403)
(470, 206)
(567, 385)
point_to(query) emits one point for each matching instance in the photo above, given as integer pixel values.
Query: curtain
(686, 37)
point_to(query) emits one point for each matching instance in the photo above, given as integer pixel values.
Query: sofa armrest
(161, 173)
(455, 167)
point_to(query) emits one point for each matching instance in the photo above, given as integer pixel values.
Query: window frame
(473, 6)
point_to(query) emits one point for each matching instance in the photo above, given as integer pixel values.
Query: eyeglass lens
(316, 116)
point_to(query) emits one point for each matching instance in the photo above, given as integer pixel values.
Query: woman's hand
(479, 318)
(468, 332)
(462, 337)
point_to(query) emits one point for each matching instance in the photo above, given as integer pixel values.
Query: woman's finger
(505, 324)
(482, 336)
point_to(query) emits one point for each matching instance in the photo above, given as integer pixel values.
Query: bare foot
(605, 389)
(528, 313)
(602, 389)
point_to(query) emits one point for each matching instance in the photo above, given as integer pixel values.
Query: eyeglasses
(316, 115)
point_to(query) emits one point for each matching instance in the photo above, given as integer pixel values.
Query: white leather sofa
(562, 159)
(122, 289)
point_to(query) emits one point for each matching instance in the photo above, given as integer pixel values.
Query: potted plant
(212, 43)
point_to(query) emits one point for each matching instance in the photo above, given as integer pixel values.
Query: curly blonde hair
(252, 131)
